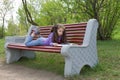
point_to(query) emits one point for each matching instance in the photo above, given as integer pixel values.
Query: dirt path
(17, 72)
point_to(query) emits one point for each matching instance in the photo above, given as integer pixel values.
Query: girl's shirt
(48, 41)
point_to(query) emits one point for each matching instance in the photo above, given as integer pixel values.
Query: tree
(106, 12)
(28, 14)
(12, 28)
(52, 12)
(22, 19)
(6, 6)
(46, 12)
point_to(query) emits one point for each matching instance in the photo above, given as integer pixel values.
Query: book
(67, 44)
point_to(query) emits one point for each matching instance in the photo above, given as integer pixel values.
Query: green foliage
(22, 19)
(116, 32)
(12, 29)
(22, 30)
(106, 12)
(2, 51)
(49, 12)
(52, 12)
(5, 7)
(0, 32)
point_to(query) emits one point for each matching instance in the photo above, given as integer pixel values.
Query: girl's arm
(50, 40)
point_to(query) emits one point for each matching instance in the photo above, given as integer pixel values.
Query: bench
(76, 56)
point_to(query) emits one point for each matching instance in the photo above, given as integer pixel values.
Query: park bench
(76, 56)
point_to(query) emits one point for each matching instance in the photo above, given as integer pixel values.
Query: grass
(2, 51)
(107, 69)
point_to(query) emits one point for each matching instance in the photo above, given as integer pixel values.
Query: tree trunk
(3, 28)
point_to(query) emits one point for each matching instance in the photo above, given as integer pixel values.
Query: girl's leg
(29, 33)
(30, 42)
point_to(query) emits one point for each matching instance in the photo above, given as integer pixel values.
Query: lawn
(107, 69)
(2, 51)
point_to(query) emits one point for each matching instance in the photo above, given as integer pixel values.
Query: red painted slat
(75, 38)
(83, 23)
(67, 29)
(22, 45)
(76, 29)
(72, 26)
(70, 32)
(77, 41)
(35, 49)
(66, 33)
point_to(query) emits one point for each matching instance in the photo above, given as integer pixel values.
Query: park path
(17, 72)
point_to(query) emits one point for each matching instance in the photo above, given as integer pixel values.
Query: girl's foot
(33, 34)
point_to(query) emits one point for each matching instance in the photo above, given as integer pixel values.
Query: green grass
(2, 51)
(107, 69)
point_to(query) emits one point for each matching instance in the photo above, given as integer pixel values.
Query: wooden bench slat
(70, 35)
(67, 31)
(75, 41)
(74, 33)
(23, 45)
(72, 28)
(66, 25)
(84, 23)
(75, 38)
(35, 48)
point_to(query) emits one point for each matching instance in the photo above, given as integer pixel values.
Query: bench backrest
(74, 32)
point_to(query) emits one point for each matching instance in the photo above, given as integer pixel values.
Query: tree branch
(28, 14)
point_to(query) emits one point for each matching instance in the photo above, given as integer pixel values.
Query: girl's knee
(27, 44)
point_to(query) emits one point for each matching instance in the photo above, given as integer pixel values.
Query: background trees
(49, 12)
(5, 7)
(106, 12)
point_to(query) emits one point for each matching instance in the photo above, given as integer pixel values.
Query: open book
(67, 44)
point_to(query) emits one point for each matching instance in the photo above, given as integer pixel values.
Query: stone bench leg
(76, 58)
(73, 66)
(13, 55)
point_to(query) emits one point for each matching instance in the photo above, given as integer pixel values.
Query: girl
(57, 36)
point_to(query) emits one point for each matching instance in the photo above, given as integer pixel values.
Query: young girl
(57, 36)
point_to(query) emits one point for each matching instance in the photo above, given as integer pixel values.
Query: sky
(13, 12)
(16, 5)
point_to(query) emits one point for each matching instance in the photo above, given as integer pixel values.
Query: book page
(67, 44)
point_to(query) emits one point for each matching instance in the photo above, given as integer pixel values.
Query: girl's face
(60, 31)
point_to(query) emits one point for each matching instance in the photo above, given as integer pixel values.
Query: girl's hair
(55, 34)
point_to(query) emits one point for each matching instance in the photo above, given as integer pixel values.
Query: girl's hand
(55, 44)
